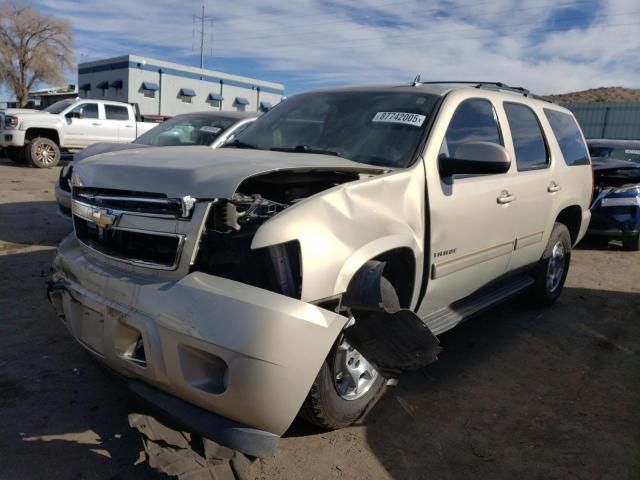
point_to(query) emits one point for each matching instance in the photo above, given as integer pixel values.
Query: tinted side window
(569, 137)
(114, 112)
(88, 110)
(475, 120)
(528, 139)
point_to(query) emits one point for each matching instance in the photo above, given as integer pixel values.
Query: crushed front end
(167, 292)
(615, 211)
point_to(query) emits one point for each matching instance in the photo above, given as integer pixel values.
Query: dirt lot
(517, 393)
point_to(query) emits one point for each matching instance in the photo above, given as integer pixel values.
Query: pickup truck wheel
(551, 271)
(42, 153)
(15, 154)
(347, 385)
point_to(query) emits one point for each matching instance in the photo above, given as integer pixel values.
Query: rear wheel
(42, 153)
(552, 269)
(631, 242)
(347, 385)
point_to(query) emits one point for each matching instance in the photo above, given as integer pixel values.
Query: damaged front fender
(342, 228)
(392, 338)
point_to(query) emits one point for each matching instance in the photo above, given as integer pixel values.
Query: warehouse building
(164, 88)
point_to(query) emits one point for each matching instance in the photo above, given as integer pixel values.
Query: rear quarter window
(569, 137)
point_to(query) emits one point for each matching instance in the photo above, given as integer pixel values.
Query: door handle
(553, 187)
(128, 126)
(505, 197)
(95, 124)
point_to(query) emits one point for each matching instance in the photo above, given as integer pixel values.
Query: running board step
(448, 317)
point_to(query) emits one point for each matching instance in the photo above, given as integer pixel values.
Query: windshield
(59, 106)
(190, 129)
(617, 152)
(373, 127)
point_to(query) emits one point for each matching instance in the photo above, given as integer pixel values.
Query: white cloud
(317, 43)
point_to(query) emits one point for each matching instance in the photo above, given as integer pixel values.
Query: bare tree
(33, 48)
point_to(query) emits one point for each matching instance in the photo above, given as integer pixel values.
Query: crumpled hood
(201, 172)
(600, 164)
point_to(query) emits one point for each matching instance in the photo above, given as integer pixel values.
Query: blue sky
(548, 46)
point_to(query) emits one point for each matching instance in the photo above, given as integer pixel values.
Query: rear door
(472, 216)
(121, 118)
(536, 184)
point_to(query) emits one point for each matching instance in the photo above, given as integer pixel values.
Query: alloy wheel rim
(555, 267)
(353, 375)
(45, 154)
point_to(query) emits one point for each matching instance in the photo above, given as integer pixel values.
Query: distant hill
(602, 94)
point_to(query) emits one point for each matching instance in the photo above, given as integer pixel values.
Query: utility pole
(202, 40)
(202, 19)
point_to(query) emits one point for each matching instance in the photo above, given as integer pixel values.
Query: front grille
(140, 203)
(97, 225)
(151, 249)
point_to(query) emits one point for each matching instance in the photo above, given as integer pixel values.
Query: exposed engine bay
(225, 246)
(618, 175)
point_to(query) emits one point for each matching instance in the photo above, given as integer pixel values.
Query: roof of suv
(442, 88)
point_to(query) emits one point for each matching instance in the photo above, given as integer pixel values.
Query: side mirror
(475, 158)
(74, 115)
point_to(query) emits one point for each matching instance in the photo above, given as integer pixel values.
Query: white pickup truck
(37, 137)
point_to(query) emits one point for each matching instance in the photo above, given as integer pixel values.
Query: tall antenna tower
(202, 19)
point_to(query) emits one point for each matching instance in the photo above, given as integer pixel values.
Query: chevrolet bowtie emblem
(103, 218)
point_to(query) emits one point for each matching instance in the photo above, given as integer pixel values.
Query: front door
(472, 219)
(85, 130)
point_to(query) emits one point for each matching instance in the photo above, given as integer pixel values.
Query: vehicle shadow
(25, 224)
(590, 243)
(521, 392)
(62, 416)
(64, 160)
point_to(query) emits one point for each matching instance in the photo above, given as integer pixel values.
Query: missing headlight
(225, 247)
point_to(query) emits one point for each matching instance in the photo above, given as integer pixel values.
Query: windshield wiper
(240, 144)
(306, 149)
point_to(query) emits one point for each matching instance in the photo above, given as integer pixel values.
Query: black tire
(631, 242)
(42, 152)
(15, 154)
(324, 406)
(544, 291)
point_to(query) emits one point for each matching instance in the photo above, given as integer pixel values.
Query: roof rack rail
(492, 86)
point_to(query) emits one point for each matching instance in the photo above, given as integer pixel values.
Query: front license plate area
(88, 326)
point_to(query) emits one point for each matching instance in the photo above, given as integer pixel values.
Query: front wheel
(346, 386)
(42, 153)
(551, 271)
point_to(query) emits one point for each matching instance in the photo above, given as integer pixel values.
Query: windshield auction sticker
(413, 119)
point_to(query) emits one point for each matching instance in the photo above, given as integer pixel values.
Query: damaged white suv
(321, 252)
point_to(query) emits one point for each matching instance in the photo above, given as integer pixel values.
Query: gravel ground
(518, 392)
